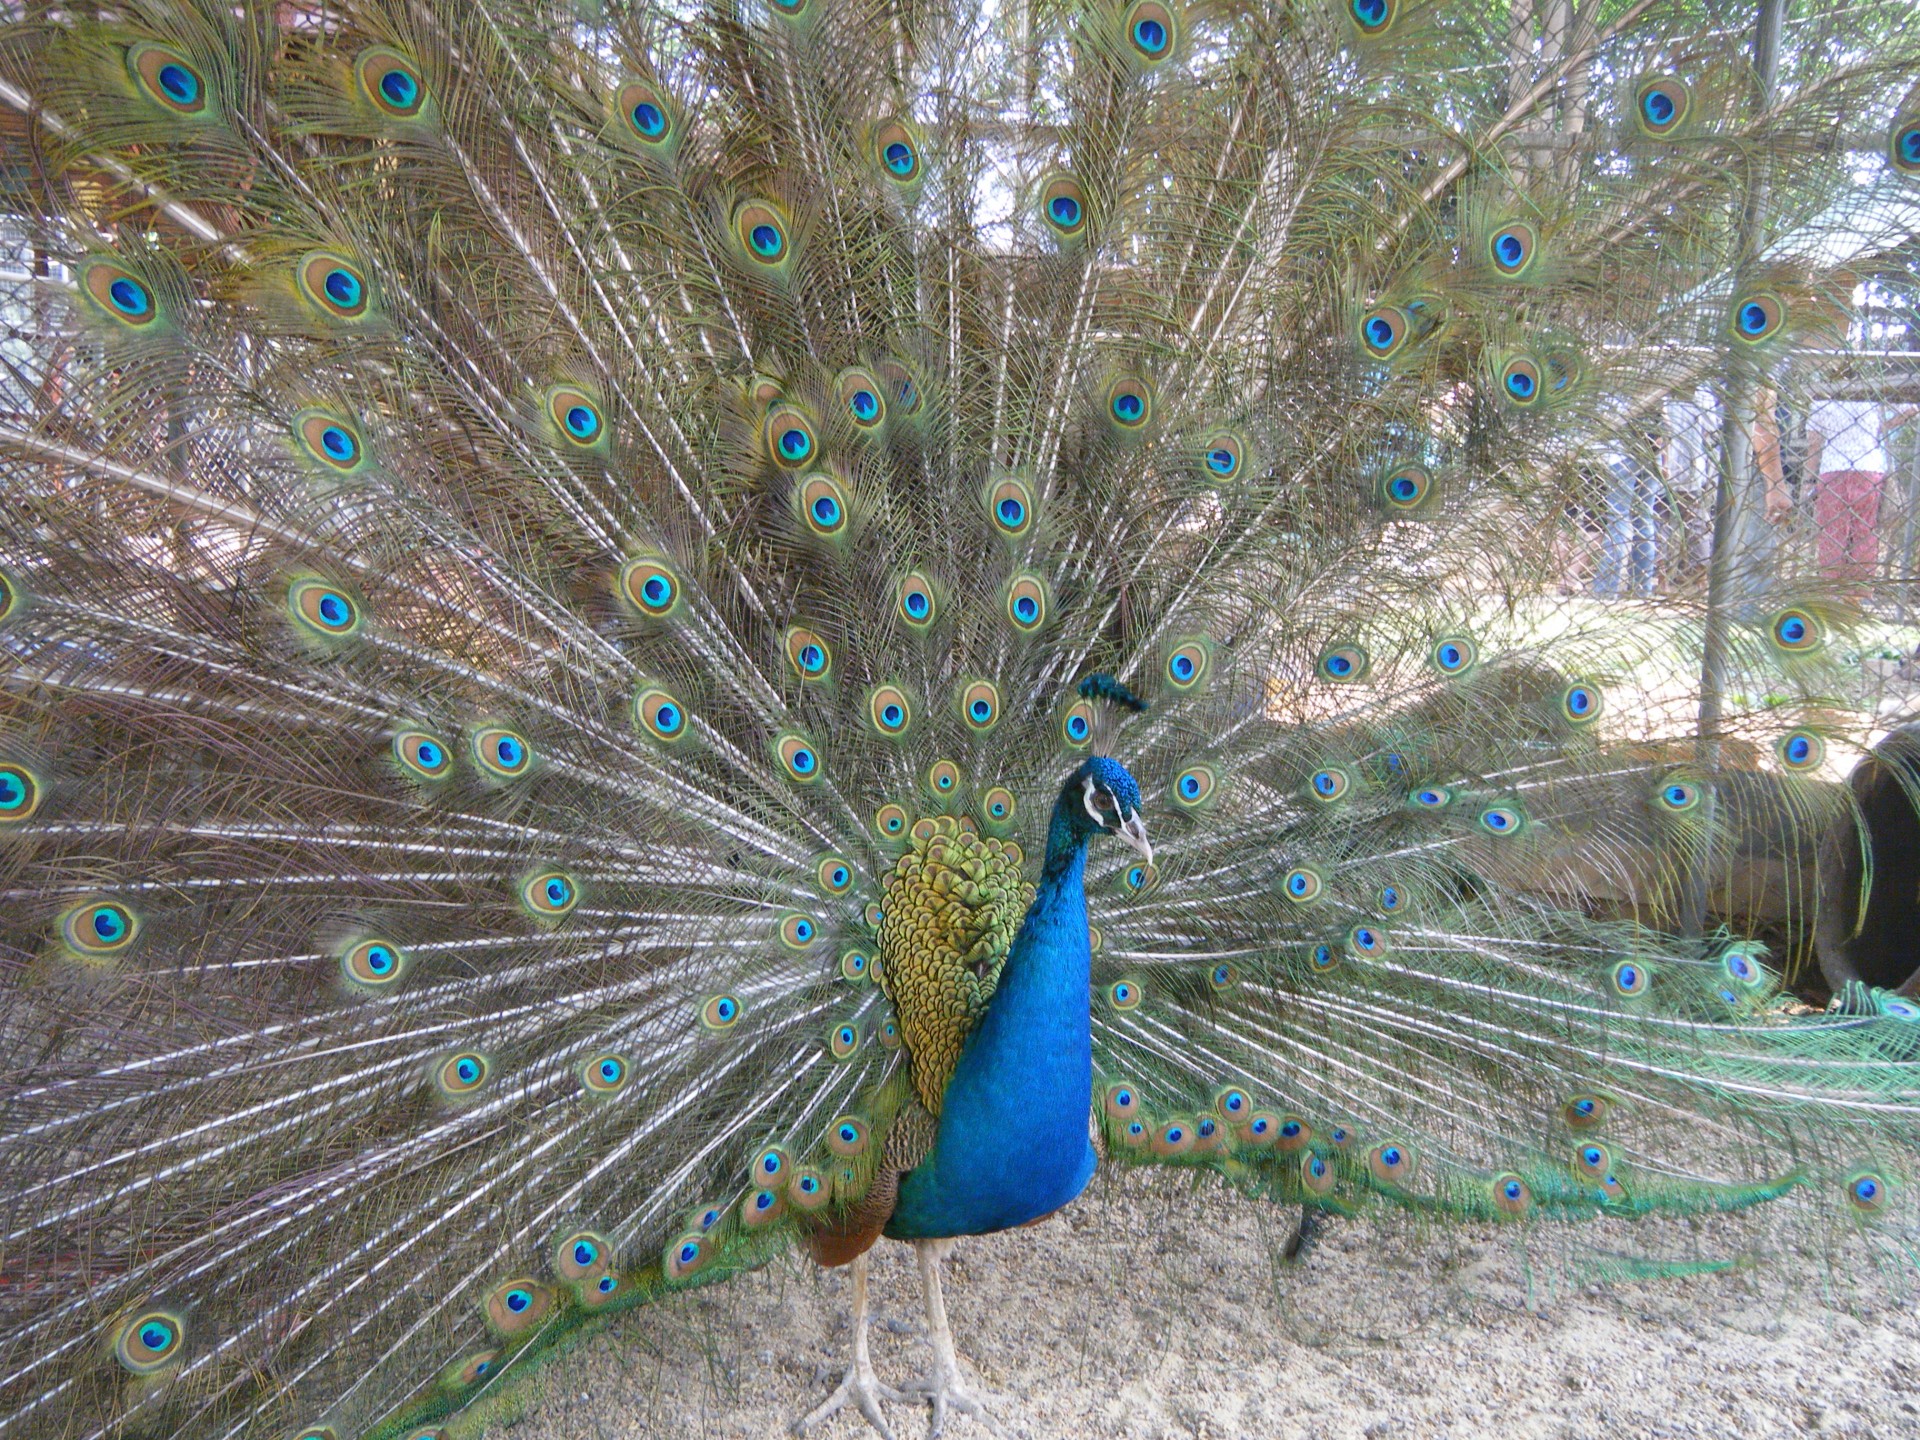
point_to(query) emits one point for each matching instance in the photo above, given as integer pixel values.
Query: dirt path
(1149, 1310)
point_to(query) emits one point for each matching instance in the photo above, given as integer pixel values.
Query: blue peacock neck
(1012, 1144)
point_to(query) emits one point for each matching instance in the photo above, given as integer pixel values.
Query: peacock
(644, 633)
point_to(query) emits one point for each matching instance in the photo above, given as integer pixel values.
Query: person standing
(1846, 449)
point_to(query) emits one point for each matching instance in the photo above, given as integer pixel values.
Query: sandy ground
(1150, 1309)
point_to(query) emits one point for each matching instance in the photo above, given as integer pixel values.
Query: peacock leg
(943, 1386)
(861, 1385)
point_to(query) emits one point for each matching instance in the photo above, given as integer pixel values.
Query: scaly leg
(943, 1385)
(861, 1385)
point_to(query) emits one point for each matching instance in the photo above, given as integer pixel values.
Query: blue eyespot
(108, 924)
(1128, 407)
(582, 422)
(864, 404)
(558, 891)
(343, 288)
(154, 1335)
(468, 1070)
(129, 296)
(1077, 727)
(1339, 665)
(1222, 462)
(1136, 877)
(1323, 957)
(1658, 107)
(649, 120)
(1065, 211)
(1011, 511)
(181, 84)
(892, 716)
(1379, 330)
(812, 658)
(1389, 898)
(1909, 147)
(1181, 667)
(379, 959)
(1520, 384)
(919, 605)
(399, 88)
(1403, 488)
(766, 239)
(1190, 786)
(334, 610)
(1290, 1129)
(899, 156)
(689, 1253)
(1509, 250)
(607, 1285)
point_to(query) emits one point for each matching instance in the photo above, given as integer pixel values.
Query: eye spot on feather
(1390, 1162)
(1323, 957)
(660, 714)
(1511, 1195)
(1194, 786)
(1076, 725)
(1063, 206)
(150, 1341)
(848, 1136)
(1757, 317)
(19, 793)
(329, 439)
(517, 1307)
(1316, 1175)
(889, 1032)
(916, 601)
(720, 1013)
(1630, 978)
(999, 804)
(605, 1075)
(1344, 663)
(1026, 603)
(1520, 381)
(391, 82)
(789, 435)
(1405, 488)
(1678, 796)
(808, 1190)
(1373, 17)
(770, 1167)
(576, 417)
(323, 609)
(550, 894)
(1584, 1112)
(1743, 969)
(581, 1257)
(1010, 507)
(1292, 1133)
(1432, 797)
(1797, 632)
(1454, 655)
(333, 285)
(1223, 977)
(1121, 1101)
(1801, 750)
(1581, 703)
(1383, 329)
(1368, 940)
(898, 152)
(889, 710)
(1501, 820)
(373, 964)
(762, 231)
(1187, 664)
(1867, 1192)
(843, 1040)
(835, 875)
(462, 1074)
(943, 777)
(501, 753)
(761, 1208)
(645, 112)
(798, 758)
(1223, 455)
(1661, 104)
(652, 587)
(980, 705)
(1302, 884)
(1511, 249)
(686, 1256)
(1331, 784)
(1130, 403)
(99, 929)
(1174, 1137)
(118, 294)
(891, 822)
(1139, 879)
(1150, 30)
(1124, 995)
(823, 506)
(1592, 1161)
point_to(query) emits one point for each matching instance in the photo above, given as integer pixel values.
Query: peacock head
(1101, 797)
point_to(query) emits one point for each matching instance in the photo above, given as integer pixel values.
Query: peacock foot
(864, 1389)
(946, 1389)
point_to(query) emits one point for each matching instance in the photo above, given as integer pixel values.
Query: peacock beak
(1133, 830)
